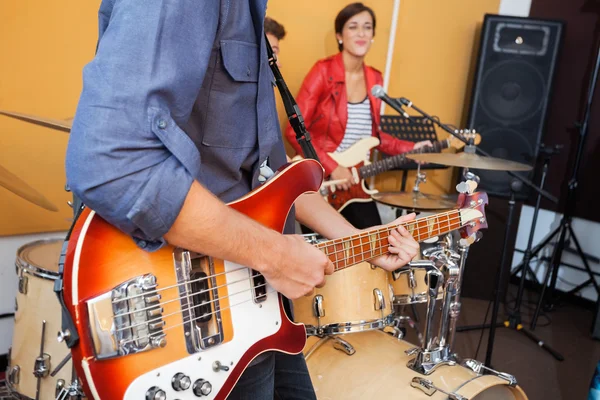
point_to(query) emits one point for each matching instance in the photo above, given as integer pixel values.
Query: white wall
(587, 233)
(516, 8)
(8, 280)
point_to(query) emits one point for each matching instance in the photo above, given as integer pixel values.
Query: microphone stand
(516, 185)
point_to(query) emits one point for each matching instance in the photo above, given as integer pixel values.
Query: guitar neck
(345, 252)
(397, 161)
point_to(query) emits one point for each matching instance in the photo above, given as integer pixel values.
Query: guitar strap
(291, 107)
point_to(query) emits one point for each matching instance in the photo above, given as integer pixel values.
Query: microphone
(379, 92)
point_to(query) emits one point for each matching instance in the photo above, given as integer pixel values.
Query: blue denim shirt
(178, 91)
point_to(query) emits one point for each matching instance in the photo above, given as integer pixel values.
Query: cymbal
(416, 200)
(13, 183)
(469, 160)
(64, 126)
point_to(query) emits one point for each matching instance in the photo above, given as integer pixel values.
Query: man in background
(275, 32)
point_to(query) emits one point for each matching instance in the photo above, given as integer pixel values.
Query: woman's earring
(340, 41)
(372, 40)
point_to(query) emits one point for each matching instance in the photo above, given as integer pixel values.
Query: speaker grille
(512, 91)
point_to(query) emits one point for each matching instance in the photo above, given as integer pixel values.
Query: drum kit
(355, 324)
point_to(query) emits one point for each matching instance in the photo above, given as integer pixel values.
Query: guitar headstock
(468, 134)
(468, 200)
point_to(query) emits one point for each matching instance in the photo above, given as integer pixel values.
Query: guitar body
(137, 333)
(353, 158)
(358, 193)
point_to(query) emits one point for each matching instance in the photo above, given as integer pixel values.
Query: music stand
(415, 129)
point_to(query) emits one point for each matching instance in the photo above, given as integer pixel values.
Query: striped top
(360, 124)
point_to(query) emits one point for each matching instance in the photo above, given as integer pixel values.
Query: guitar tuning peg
(466, 187)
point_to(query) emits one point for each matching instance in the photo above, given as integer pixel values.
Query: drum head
(40, 257)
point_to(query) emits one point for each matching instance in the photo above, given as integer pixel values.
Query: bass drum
(373, 364)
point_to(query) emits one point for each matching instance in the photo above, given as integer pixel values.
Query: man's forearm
(313, 211)
(206, 225)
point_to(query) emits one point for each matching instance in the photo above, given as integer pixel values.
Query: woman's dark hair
(348, 12)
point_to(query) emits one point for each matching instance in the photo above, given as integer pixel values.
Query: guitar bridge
(198, 296)
(128, 319)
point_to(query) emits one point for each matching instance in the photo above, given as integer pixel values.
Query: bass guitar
(175, 324)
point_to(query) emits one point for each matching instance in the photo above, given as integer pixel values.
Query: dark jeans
(279, 376)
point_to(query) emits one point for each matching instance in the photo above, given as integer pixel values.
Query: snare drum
(37, 320)
(375, 365)
(354, 299)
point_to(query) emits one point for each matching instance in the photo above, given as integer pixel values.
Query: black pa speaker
(513, 82)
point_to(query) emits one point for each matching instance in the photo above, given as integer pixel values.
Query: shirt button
(162, 124)
(247, 71)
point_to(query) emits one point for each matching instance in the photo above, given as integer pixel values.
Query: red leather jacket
(324, 106)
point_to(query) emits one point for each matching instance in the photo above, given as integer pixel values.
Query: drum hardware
(14, 375)
(348, 327)
(71, 392)
(479, 368)
(343, 346)
(427, 361)
(451, 272)
(410, 271)
(60, 365)
(434, 280)
(318, 306)
(22, 282)
(400, 321)
(379, 301)
(60, 388)
(427, 387)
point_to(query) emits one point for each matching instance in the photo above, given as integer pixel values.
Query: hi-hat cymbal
(13, 183)
(64, 126)
(469, 160)
(416, 200)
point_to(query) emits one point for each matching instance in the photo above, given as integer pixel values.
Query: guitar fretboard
(345, 252)
(397, 161)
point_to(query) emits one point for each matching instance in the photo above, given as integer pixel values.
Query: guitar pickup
(259, 287)
(199, 299)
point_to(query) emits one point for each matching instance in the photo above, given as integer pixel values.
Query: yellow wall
(44, 46)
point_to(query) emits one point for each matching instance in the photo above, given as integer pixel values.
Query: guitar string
(335, 243)
(339, 241)
(159, 318)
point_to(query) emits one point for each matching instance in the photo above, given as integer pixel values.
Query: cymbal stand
(568, 210)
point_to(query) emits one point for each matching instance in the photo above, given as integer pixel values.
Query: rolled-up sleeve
(128, 158)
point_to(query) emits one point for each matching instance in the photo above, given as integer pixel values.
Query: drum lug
(23, 280)
(411, 352)
(318, 307)
(41, 367)
(427, 387)
(342, 345)
(60, 388)
(379, 299)
(478, 367)
(14, 375)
